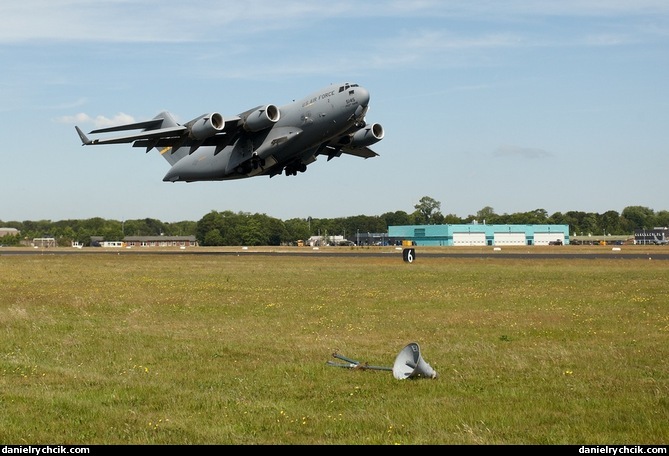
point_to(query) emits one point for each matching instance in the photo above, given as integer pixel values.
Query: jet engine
(206, 126)
(367, 136)
(260, 118)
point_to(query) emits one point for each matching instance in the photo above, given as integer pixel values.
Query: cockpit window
(346, 87)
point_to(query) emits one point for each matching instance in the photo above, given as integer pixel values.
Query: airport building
(659, 235)
(479, 235)
(160, 241)
(146, 241)
(8, 232)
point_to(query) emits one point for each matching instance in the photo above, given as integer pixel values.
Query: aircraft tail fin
(168, 120)
(174, 152)
(164, 122)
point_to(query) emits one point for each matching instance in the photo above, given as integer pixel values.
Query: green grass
(202, 349)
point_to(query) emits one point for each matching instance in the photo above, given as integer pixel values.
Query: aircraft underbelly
(279, 142)
(202, 164)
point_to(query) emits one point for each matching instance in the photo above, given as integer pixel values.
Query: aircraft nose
(362, 95)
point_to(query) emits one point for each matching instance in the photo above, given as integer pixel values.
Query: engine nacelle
(367, 136)
(261, 118)
(206, 126)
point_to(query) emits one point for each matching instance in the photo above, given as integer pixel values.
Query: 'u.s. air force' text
(319, 97)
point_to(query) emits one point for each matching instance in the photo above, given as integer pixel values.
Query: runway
(527, 253)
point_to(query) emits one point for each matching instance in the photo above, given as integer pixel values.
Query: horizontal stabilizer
(160, 133)
(150, 124)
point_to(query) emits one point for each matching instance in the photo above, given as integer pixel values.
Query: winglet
(84, 139)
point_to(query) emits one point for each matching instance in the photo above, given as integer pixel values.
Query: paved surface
(531, 253)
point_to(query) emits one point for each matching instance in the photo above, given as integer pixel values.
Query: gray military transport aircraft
(264, 141)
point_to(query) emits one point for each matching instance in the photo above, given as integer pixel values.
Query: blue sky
(517, 105)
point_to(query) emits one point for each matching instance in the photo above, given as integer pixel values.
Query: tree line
(229, 228)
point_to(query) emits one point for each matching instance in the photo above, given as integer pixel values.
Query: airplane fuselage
(302, 127)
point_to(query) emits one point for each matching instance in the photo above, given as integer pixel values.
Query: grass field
(224, 349)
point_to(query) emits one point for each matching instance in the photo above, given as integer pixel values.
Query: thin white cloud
(97, 121)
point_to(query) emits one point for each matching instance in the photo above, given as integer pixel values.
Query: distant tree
(232, 226)
(212, 237)
(536, 217)
(486, 215)
(183, 228)
(662, 218)
(66, 236)
(517, 218)
(208, 231)
(252, 232)
(132, 227)
(589, 224)
(638, 217)
(366, 224)
(95, 225)
(397, 218)
(325, 225)
(557, 218)
(609, 221)
(575, 219)
(40, 228)
(142, 227)
(452, 219)
(426, 209)
(10, 240)
(296, 229)
(277, 234)
(437, 219)
(154, 227)
(17, 225)
(229, 228)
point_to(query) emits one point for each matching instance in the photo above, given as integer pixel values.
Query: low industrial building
(160, 241)
(44, 242)
(659, 235)
(146, 241)
(8, 231)
(479, 235)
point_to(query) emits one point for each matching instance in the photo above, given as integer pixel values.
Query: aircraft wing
(363, 152)
(334, 151)
(208, 129)
(355, 142)
(164, 131)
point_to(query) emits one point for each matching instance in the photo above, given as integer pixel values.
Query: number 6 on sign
(409, 255)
